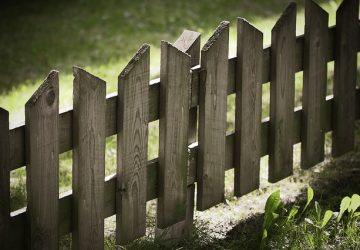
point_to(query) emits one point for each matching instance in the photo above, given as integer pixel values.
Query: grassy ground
(101, 37)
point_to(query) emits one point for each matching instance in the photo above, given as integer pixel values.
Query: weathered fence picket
(88, 160)
(42, 161)
(282, 95)
(4, 179)
(314, 87)
(173, 135)
(346, 41)
(133, 118)
(212, 118)
(248, 108)
(188, 42)
(174, 100)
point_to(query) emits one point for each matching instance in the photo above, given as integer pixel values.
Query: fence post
(132, 154)
(282, 91)
(314, 86)
(248, 108)
(4, 179)
(88, 160)
(346, 42)
(42, 160)
(212, 118)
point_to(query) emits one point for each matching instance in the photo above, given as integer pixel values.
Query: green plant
(350, 205)
(273, 204)
(314, 228)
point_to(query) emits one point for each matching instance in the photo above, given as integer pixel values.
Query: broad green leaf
(310, 196)
(355, 203)
(272, 204)
(318, 210)
(345, 203)
(356, 214)
(264, 235)
(294, 210)
(327, 216)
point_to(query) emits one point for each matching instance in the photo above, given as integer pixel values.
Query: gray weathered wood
(346, 43)
(248, 108)
(133, 118)
(17, 221)
(282, 91)
(173, 135)
(189, 42)
(17, 133)
(42, 161)
(88, 160)
(314, 87)
(212, 118)
(4, 179)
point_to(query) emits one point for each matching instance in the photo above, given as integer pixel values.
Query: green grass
(102, 37)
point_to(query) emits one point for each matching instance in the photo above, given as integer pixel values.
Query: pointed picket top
(348, 6)
(313, 8)
(145, 48)
(49, 89)
(4, 112)
(223, 26)
(189, 42)
(288, 13)
(179, 50)
(187, 39)
(244, 21)
(85, 78)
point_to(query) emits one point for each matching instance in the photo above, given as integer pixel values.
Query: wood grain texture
(282, 92)
(248, 108)
(4, 180)
(173, 135)
(346, 43)
(212, 118)
(133, 118)
(88, 160)
(18, 219)
(189, 42)
(314, 85)
(42, 161)
(17, 132)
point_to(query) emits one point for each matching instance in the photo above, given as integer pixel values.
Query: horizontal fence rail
(128, 113)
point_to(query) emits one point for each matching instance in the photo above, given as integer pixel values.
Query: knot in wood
(50, 97)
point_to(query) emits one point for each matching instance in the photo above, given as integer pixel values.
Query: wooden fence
(184, 90)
